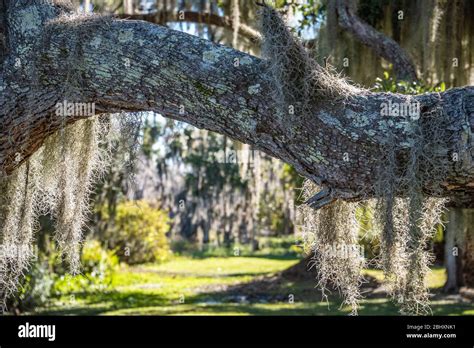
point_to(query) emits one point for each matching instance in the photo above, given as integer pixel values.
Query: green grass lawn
(226, 286)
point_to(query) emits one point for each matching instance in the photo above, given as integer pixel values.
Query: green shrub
(138, 232)
(181, 246)
(390, 84)
(97, 261)
(285, 247)
(35, 288)
(98, 266)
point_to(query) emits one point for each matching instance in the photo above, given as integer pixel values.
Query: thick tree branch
(137, 66)
(195, 17)
(384, 46)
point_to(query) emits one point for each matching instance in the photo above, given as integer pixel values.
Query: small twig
(321, 199)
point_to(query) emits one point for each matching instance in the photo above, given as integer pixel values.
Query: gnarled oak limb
(133, 66)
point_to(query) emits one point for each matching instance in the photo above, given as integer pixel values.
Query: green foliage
(138, 232)
(389, 83)
(97, 272)
(35, 288)
(277, 220)
(47, 277)
(292, 180)
(96, 260)
(151, 132)
(438, 237)
(311, 11)
(280, 246)
(181, 246)
(210, 171)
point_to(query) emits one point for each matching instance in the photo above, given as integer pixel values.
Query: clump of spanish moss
(406, 211)
(16, 243)
(80, 141)
(409, 177)
(299, 82)
(56, 180)
(337, 256)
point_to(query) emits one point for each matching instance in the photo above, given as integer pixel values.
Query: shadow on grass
(285, 293)
(203, 275)
(102, 302)
(205, 255)
(266, 301)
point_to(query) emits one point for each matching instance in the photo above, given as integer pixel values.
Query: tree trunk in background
(459, 249)
(467, 264)
(206, 223)
(128, 6)
(87, 6)
(451, 250)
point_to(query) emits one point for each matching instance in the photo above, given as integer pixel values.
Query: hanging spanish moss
(406, 211)
(299, 82)
(406, 214)
(56, 180)
(17, 216)
(74, 181)
(337, 256)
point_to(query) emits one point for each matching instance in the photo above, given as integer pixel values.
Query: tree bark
(133, 66)
(384, 46)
